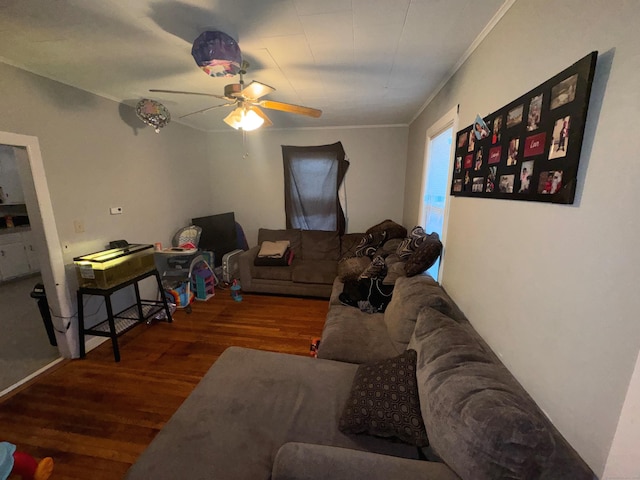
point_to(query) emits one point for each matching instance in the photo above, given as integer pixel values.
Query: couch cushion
(351, 268)
(314, 271)
(384, 401)
(410, 295)
(245, 408)
(306, 461)
(350, 335)
(389, 247)
(370, 244)
(480, 420)
(348, 244)
(424, 256)
(395, 269)
(393, 229)
(293, 235)
(277, 272)
(412, 242)
(320, 245)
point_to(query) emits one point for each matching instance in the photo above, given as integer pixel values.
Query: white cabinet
(10, 186)
(18, 255)
(13, 256)
(32, 253)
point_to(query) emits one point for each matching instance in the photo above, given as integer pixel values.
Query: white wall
(253, 187)
(623, 457)
(97, 155)
(553, 289)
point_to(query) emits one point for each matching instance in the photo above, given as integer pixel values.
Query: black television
(218, 234)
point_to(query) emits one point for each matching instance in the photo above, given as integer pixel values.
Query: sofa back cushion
(293, 235)
(393, 229)
(410, 295)
(480, 420)
(320, 245)
(348, 244)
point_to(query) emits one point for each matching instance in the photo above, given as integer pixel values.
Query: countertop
(21, 228)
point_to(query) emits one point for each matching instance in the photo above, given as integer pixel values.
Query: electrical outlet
(78, 226)
(115, 210)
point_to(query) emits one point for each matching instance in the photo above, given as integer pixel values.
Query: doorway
(436, 180)
(47, 245)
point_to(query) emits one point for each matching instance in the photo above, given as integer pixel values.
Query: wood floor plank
(95, 416)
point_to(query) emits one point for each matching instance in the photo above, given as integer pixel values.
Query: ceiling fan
(247, 115)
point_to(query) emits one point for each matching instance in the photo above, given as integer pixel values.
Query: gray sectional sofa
(314, 267)
(260, 415)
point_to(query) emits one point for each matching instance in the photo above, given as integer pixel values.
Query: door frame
(448, 120)
(43, 225)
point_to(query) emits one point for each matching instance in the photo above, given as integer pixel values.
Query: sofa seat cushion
(350, 335)
(320, 245)
(246, 407)
(314, 271)
(410, 295)
(480, 420)
(274, 272)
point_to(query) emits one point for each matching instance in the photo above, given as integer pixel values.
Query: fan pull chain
(244, 145)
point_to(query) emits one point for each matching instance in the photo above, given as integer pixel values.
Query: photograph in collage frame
(529, 149)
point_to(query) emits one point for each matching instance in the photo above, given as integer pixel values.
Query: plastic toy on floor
(181, 295)
(235, 291)
(13, 462)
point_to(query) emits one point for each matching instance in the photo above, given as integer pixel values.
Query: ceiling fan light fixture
(217, 54)
(244, 119)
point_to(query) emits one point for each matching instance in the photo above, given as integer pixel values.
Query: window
(312, 178)
(436, 181)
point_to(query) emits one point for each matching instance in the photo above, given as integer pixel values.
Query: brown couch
(314, 266)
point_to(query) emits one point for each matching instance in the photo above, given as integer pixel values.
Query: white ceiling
(362, 62)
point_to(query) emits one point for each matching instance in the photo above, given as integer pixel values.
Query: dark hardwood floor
(95, 416)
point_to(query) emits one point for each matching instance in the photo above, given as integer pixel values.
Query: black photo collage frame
(530, 148)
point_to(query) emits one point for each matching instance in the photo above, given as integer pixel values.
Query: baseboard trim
(27, 379)
(94, 342)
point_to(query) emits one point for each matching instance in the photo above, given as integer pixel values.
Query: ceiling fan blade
(256, 90)
(190, 93)
(291, 108)
(204, 110)
(261, 114)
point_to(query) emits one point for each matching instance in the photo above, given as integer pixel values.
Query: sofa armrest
(245, 263)
(304, 461)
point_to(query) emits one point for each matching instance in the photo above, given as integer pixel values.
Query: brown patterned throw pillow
(424, 256)
(412, 242)
(384, 401)
(370, 243)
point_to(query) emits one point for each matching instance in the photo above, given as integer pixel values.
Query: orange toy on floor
(13, 462)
